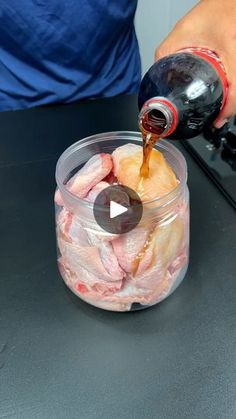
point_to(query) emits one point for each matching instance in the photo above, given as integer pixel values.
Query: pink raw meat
(110, 261)
(86, 256)
(111, 178)
(96, 169)
(66, 220)
(77, 233)
(151, 290)
(93, 254)
(128, 246)
(136, 293)
(82, 281)
(108, 256)
(70, 229)
(95, 191)
(161, 261)
(179, 262)
(145, 291)
(122, 299)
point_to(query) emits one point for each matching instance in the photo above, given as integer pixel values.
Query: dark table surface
(61, 358)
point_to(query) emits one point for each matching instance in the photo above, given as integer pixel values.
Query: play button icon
(118, 209)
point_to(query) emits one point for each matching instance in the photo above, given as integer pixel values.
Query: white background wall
(154, 20)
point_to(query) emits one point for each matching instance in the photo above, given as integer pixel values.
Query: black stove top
(215, 151)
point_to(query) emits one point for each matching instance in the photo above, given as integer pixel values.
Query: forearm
(210, 24)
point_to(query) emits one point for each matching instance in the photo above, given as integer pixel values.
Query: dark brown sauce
(149, 141)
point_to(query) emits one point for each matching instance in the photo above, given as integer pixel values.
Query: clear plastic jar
(93, 263)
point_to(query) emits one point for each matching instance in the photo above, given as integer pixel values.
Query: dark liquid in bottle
(153, 125)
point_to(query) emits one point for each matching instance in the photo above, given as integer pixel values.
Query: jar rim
(161, 145)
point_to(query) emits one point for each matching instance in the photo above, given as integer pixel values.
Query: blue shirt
(65, 50)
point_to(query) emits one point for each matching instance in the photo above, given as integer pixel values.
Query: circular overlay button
(118, 209)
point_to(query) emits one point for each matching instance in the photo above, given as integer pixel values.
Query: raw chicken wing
(127, 162)
(96, 169)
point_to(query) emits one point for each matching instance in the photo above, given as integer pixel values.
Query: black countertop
(61, 358)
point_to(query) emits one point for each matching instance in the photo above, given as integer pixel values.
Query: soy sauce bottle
(182, 94)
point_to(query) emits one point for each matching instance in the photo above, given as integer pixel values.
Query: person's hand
(211, 24)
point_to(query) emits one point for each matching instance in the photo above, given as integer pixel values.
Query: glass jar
(96, 265)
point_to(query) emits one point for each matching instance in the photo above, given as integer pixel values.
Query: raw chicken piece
(137, 291)
(63, 219)
(165, 243)
(179, 262)
(152, 289)
(127, 161)
(70, 229)
(146, 289)
(82, 262)
(110, 260)
(78, 229)
(144, 295)
(122, 300)
(143, 248)
(95, 191)
(88, 258)
(80, 280)
(123, 152)
(96, 169)
(128, 246)
(108, 256)
(162, 284)
(111, 179)
(93, 254)
(82, 271)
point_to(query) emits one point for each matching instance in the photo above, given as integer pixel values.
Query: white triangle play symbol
(116, 209)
